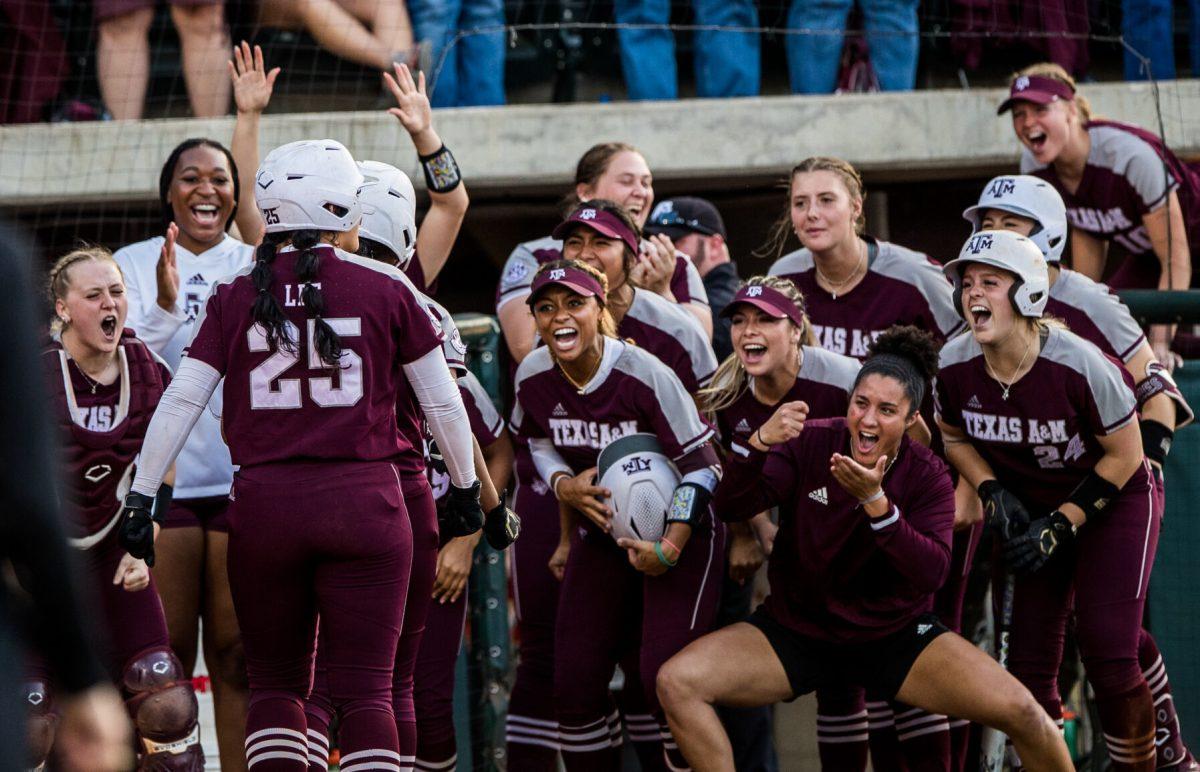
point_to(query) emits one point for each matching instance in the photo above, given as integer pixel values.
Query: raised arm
(252, 87)
(448, 200)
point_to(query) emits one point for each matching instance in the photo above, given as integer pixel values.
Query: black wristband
(1156, 440)
(1093, 495)
(162, 503)
(441, 171)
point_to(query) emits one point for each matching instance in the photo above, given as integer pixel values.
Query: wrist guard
(162, 503)
(1093, 495)
(1156, 440)
(688, 504)
(136, 531)
(441, 171)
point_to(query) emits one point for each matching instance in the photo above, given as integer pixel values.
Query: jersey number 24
(270, 391)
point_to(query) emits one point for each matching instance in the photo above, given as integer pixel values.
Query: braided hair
(58, 282)
(267, 311)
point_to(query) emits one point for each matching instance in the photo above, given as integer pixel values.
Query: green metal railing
(481, 697)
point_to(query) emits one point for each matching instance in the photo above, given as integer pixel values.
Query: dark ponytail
(327, 342)
(908, 355)
(267, 311)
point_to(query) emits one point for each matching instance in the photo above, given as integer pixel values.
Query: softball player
(1030, 411)
(864, 542)
(1121, 184)
(1032, 207)
(167, 279)
(576, 393)
(308, 343)
(104, 385)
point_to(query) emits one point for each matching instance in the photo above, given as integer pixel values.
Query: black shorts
(880, 665)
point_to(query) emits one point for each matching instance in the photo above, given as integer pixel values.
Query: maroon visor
(770, 301)
(576, 280)
(1037, 89)
(604, 223)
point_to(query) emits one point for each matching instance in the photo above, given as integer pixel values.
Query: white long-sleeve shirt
(204, 467)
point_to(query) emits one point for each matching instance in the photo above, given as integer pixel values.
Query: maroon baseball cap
(1038, 89)
(605, 223)
(766, 299)
(575, 279)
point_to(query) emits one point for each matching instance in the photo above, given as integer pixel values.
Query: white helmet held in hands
(642, 480)
(389, 205)
(1010, 252)
(1031, 197)
(310, 184)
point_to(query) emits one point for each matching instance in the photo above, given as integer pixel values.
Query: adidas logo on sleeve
(820, 495)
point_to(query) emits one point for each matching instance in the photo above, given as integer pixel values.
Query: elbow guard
(688, 504)
(1156, 440)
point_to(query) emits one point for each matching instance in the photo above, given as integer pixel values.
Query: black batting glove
(464, 516)
(1006, 515)
(501, 527)
(1045, 537)
(136, 534)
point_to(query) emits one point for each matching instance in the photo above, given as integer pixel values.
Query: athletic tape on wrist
(441, 171)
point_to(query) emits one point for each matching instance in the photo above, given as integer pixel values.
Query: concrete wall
(532, 148)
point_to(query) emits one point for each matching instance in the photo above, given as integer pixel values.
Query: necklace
(94, 384)
(1006, 387)
(581, 386)
(835, 287)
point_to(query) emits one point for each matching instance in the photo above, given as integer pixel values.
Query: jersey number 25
(270, 391)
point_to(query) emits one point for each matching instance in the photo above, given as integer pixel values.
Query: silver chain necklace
(836, 287)
(1006, 387)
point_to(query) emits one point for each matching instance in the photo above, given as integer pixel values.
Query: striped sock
(924, 739)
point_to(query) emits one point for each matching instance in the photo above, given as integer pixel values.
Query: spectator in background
(696, 228)
(123, 54)
(1148, 28)
(815, 49)
(373, 33)
(466, 71)
(727, 63)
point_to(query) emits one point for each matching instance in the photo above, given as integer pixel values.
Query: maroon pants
(1103, 576)
(319, 538)
(433, 684)
(608, 609)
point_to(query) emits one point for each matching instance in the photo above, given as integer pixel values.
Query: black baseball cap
(678, 217)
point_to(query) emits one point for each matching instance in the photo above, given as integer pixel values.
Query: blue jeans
(727, 63)
(892, 37)
(1148, 29)
(468, 70)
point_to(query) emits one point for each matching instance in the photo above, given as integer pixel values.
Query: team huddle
(293, 442)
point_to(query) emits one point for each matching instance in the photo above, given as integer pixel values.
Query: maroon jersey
(824, 382)
(837, 574)
(486, 425)
(523, 263)
(631, 392)
(901, 287)
(1041, 441)
(281, 405)
(671, 334)
(1129, 172)
(102, 430)
(1093, 312)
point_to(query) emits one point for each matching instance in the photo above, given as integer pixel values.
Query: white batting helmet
(1010, 252)
(389, 205)
(310, 184)
(1027, 196)
(642, 480)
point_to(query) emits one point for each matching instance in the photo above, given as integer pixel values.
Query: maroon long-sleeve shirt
(836, 573)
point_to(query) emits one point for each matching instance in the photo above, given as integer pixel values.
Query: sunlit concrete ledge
(524, 149)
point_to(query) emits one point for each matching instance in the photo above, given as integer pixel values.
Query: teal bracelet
(661, 557)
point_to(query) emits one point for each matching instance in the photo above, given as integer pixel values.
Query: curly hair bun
(911, 343)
